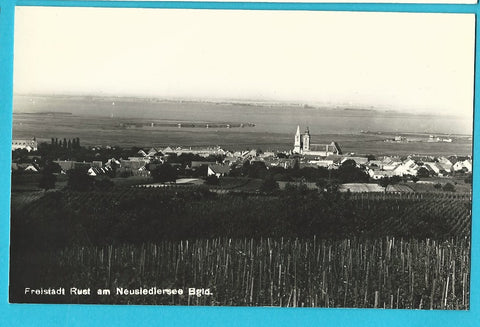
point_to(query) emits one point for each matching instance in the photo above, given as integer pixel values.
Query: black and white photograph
(242, 158)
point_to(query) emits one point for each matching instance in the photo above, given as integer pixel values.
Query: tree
(47, 178)
(423, 172)
(257, 169)
(385, 181)
(321, 184)
(296, 165)
(348, 172)
(349, 163)
(245, 168)
(164, 173)
(79, 180)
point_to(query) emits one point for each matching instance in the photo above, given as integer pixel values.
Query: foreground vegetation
(289, 248)
(378, 273)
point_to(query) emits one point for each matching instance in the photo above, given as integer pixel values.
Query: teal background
(102, 315)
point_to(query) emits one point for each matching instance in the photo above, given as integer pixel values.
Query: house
(433, 167)
(197, 164)
(67, 165)
(142, 153)
(96, 171)
(468, 164)
(284, 163)
(445, 164)
(337, 159)
(322, 163)
(465, 165)
(377, 174)
(29, 145)
(141, 159)
(218, 170)
(249, 155)
(267, 154)
(132, 164)
(230, 159)
(31, 168)
(97, 164)
(376, 163)
(168, 150)
(408, 167)
(152, 152)
(112, 162)
(358, 160)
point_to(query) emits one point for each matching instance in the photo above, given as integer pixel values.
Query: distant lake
(98, 120)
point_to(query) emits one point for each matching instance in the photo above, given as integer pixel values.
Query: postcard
(242, 158)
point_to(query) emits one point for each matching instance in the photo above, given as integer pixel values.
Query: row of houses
(381, 167)
(203, 152)
(387, 166)
(442, 166)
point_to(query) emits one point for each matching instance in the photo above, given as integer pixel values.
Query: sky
(419, 63)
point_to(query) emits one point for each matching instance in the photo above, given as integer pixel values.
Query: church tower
(306, 141)
(297, 146)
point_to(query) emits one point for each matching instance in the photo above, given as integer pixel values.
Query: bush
(47, 181)
(269, 184)
(212, 180)
(468, 179)
(449, 187)
(125, 173)
(104, 184)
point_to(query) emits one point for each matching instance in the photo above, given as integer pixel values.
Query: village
(313, 165)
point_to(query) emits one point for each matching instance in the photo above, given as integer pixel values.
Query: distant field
(458, 182)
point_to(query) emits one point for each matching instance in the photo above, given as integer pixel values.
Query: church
(303, 146)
